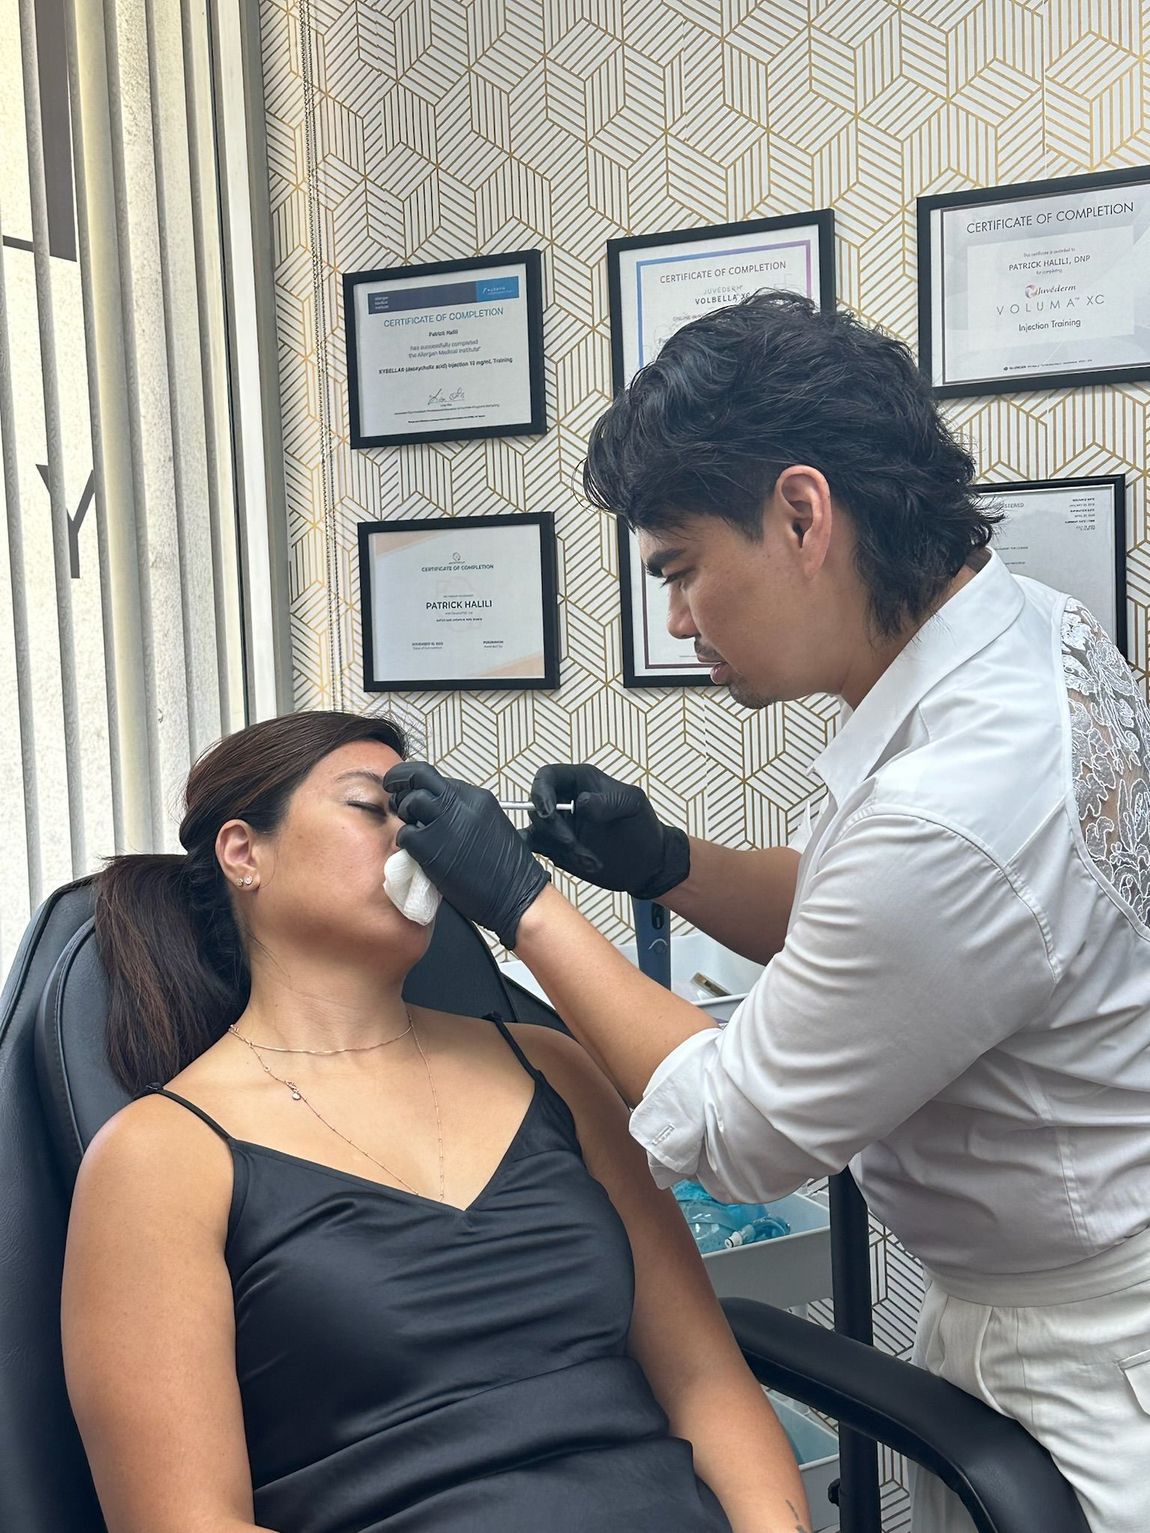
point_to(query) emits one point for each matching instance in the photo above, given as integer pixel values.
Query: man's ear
(802, 502)
(238, 855)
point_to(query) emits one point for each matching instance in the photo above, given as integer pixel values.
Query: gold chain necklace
(353, 1048)
(298, 1096)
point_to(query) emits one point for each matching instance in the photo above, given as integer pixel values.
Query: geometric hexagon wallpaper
(424, 130)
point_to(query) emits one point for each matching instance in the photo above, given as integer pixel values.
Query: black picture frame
(548, 590)
(534, 423)
(631, 625)
(822, 218)
(990, 197)
(1116, 484)
(633, 609)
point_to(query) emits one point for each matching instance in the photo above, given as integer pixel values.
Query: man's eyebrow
(657, 563)
(363, 772)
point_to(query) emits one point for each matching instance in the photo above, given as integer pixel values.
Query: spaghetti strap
(160, 1091)
(509, 1040)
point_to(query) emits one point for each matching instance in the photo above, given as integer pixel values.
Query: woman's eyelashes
(382, 810)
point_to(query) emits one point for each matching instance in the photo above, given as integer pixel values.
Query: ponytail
(177, 974)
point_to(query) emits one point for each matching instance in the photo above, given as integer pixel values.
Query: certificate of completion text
(451, 603)
(439, 353)
(1053, 285)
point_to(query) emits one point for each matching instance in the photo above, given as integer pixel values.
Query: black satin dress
(405, 1364)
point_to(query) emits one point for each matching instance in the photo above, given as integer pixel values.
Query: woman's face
(320, 874)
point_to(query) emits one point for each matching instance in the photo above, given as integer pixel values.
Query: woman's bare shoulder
(572, 1072)
(157, 1156)
(550, 1047)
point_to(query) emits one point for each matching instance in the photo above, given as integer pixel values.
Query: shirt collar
(972, 618)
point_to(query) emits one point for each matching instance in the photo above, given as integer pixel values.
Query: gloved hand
(467, 847)
(612, 837)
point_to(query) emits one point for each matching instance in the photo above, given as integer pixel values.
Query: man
(957, 1001)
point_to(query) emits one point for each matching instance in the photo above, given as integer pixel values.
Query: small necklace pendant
(296, 1093)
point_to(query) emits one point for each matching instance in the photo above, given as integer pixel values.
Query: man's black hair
(743, 392)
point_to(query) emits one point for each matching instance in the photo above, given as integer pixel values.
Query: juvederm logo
(1042, 305)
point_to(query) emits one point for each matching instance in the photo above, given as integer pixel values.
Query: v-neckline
(399, 1192)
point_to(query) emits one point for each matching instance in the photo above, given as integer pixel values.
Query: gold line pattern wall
(422, 130)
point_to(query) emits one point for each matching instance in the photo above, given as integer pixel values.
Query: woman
(359, 1267)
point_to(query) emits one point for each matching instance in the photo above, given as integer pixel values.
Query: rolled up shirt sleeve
(912, 952)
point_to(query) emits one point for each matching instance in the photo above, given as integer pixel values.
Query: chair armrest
(1006, 1480)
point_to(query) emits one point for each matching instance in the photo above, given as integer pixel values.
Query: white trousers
(1067, 1354)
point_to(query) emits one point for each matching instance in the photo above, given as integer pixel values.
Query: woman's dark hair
(177, 971)
(743, 392)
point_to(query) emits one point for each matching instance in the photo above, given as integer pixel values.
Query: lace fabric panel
(1110, 757)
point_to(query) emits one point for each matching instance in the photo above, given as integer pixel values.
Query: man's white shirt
(962, 1005)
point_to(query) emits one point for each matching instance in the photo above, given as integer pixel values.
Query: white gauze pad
(409, 889)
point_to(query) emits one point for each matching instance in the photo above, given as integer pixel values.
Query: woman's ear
(238, 856)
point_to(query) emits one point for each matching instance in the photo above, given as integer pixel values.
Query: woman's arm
(149, 1327)
(679, 1335)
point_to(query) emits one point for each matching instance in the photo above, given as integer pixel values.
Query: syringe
(521, 806)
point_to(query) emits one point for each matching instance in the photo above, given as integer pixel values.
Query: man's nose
(680, 623)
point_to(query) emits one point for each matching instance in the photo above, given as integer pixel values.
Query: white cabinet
(788, 1271)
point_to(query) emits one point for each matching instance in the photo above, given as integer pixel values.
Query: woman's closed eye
(382, 810)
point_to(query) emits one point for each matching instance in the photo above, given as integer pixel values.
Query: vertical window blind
(127, 525)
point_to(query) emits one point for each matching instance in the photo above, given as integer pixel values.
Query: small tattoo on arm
(800, 1525)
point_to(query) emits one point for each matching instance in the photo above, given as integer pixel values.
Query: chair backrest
(56, 1091)
(44, 1480)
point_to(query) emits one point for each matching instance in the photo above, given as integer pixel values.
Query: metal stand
(653, 939)
(858, 1501)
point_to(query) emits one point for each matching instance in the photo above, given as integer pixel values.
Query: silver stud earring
(247, 878)
(239, 880)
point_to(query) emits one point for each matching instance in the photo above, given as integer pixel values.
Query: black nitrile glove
(467, 847)
(612, 837)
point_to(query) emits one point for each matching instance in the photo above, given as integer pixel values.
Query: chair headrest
(77, 1087)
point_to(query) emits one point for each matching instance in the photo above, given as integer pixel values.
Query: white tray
(787, 1271)
(721, 1007)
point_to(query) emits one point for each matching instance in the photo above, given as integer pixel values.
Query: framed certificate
(450, 350)
(658, 283)
(1045, 285)
(651, 657)
(1069, 534)
(459, 603)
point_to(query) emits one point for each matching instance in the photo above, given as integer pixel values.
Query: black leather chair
(56, 1091)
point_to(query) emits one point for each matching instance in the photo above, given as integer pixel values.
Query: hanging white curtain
(128, 524)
